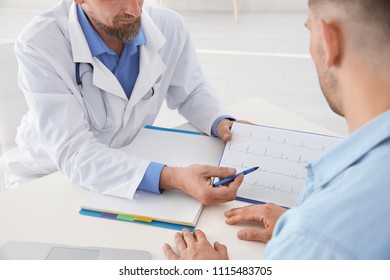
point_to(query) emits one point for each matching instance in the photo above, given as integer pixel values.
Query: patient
(344, 208)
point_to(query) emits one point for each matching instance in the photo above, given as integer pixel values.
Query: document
(171, 209)
(281, 156)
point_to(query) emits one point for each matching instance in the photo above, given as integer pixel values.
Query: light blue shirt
(344, 211)
(126, 70)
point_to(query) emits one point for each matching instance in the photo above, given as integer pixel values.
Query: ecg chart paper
(281, 156)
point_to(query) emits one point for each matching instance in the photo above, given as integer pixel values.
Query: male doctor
(94, 72)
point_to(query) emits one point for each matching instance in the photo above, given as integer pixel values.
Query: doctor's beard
(122, 32)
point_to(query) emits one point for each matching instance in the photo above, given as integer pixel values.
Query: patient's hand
(195, 246)
(266, 214)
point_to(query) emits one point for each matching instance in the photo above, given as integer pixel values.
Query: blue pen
(227, 180)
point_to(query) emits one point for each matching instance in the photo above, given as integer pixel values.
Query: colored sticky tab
(125, 218)
(143, 219)
(108, 216)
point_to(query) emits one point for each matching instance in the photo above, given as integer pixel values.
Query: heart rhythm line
(277, 173)
(281, 142)
(267, 154)
(274, 188)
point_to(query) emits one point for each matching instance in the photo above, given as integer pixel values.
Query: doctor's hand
(195, 181)
(195, 246)
(223, 129)
(266, 214)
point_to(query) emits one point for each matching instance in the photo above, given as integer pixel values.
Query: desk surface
(46, 210)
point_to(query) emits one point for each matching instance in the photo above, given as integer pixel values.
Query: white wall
(246, 5)
(28, 4)
(194, 5)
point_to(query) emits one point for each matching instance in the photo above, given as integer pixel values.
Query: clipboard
(282, 156)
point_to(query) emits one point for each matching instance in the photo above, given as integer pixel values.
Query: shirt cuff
(150, 181)
(215, 124)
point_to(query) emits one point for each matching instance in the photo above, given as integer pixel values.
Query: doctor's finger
(231, 186)
(220, 172)
(227, 193)
(236, 183)
(223, 130)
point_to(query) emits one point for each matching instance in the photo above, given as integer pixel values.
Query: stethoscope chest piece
(149, 94)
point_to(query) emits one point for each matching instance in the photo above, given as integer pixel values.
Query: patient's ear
(331, 38)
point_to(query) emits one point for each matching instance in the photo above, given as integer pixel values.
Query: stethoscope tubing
(79, 82)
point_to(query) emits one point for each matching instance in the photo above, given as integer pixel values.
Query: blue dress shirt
(344, 210)
(126, 70)
(126, 67)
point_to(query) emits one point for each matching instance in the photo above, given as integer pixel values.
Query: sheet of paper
(175, 148)
(281, 156)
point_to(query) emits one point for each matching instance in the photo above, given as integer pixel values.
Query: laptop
(20, 250)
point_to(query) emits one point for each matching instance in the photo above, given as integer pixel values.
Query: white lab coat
(57, 134)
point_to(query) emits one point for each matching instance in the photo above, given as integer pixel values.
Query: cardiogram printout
(281, 156)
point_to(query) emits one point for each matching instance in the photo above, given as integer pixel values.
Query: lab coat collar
(102, 77)
(151, 64)
(80, 49)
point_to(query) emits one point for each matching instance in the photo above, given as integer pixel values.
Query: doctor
(94, 72)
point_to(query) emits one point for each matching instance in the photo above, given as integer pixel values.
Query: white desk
(46, 210)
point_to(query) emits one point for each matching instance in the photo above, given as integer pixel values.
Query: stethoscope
(106, 126)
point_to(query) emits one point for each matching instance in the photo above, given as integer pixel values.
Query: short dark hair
(368, 20)
(373, 10)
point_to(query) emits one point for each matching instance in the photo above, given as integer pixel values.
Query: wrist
(168, 178)
(217, 122)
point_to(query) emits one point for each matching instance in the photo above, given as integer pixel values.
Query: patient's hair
(367, 22)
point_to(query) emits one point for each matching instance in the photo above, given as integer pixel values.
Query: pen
(227, 180)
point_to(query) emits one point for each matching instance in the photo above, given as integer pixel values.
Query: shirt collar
(96, 43)
(350, 150)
